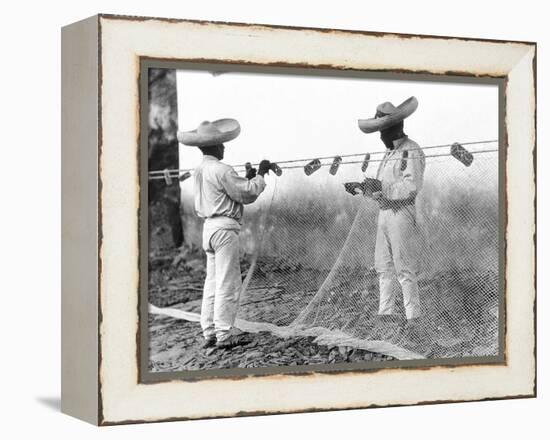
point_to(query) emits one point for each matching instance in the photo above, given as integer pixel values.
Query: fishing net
(310, 249)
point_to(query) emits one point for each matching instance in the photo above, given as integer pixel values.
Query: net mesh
(308, 255)
(313, 249)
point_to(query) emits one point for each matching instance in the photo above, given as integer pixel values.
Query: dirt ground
(176, 279)
(176, 346)
(460, 317)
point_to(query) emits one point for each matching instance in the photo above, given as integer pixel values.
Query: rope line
(378, 152)
(160, 173)
(390, 160)
(173, 173)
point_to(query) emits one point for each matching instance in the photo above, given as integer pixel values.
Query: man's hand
(354, 188)
(264, 167)
(250, 173)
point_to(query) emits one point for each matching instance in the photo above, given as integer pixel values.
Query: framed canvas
(264, 219)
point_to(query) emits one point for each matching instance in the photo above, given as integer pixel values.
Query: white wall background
(30, 220)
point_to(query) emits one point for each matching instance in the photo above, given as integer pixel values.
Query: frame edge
(79, 224)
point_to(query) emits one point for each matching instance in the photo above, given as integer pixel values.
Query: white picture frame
(101, 184)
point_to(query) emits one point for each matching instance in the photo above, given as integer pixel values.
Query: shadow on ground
(52, 403)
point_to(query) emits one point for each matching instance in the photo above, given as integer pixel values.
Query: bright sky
(289, 116)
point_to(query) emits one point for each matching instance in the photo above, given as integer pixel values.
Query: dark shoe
(231, 341)
(209, 342)
(416, 331)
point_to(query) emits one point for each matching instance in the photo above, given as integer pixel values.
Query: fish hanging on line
(335, 165)
(460, 153)
(365, 164)
(312, 166)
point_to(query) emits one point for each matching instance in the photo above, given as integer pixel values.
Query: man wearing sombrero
(401, 174)
(219, 198)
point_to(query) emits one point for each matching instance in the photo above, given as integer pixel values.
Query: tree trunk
(165, 224)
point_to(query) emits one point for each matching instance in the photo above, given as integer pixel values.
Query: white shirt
(220, 191)
(402, 170)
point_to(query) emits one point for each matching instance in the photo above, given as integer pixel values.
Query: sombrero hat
(387, 115)
(210, 133)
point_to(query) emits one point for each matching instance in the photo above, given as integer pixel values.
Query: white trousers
(223, 282)
(397, 256)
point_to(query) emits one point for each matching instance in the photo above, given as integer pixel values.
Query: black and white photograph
(304, 220)
(254, 220)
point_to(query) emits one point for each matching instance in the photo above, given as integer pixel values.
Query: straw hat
(210, 133)
(387, 115)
